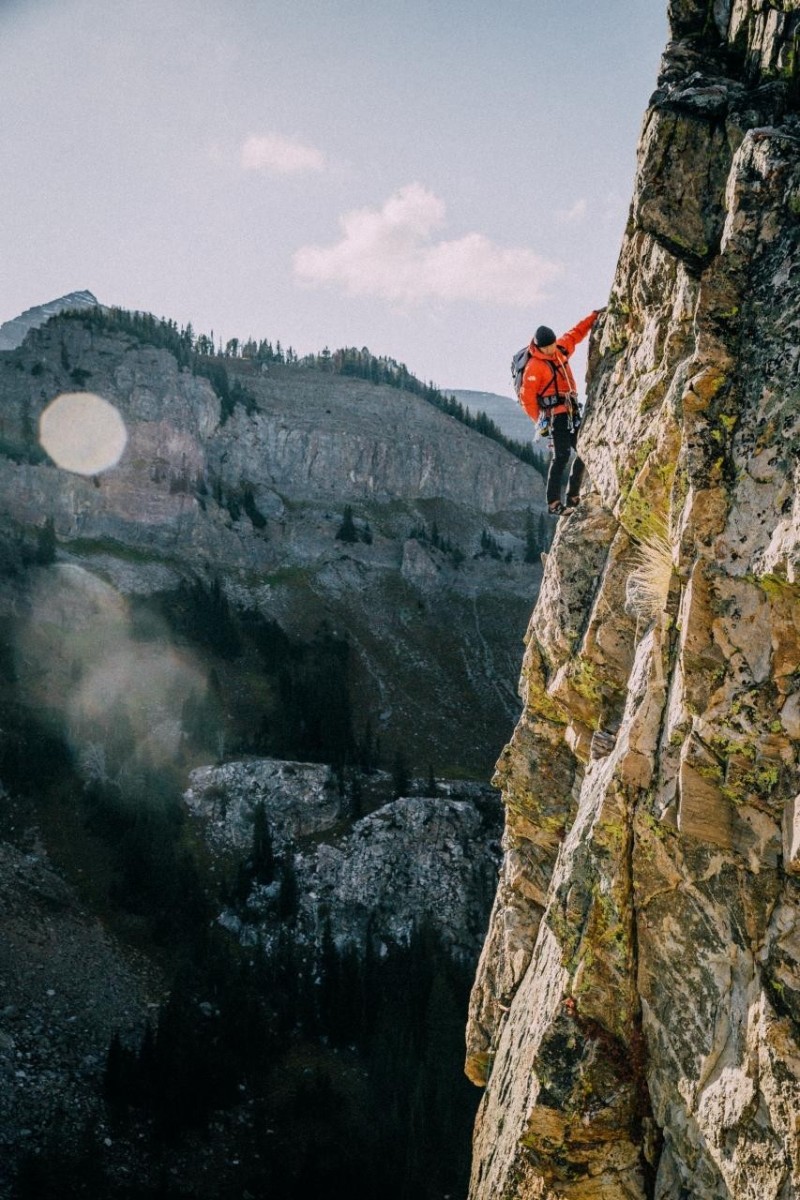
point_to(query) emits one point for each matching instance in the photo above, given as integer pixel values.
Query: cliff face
(636, 1014)
(254, 502)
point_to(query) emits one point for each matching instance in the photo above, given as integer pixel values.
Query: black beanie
(544, 336)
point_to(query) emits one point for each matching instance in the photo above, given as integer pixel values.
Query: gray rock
(412, 859)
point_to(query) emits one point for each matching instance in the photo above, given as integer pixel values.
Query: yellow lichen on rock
(636, 1013)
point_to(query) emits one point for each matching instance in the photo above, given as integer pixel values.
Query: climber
(549, 395)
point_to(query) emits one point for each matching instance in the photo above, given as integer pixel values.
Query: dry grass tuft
(648, 583)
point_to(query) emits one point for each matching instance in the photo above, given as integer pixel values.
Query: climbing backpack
(569, 398)
(518, 364)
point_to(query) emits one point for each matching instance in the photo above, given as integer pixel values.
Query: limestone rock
(299, 798)
(635, 1018)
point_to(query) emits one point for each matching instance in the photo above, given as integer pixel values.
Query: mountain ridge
(256, 500)
(505, 411)
(14, 331)
(286, 575)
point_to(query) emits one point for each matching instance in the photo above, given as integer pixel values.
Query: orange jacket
(547, 374)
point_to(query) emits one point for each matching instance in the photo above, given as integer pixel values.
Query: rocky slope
(636, 1014)
(252, 502)
(70, 977)
(67, 986)
(505, 411)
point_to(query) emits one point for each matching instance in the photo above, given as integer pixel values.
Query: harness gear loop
(552, 401)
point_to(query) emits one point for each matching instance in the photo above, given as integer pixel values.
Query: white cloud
(280, 155)
(572, 216)
(391, 253)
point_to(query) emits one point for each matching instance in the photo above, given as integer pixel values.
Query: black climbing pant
(565, 440)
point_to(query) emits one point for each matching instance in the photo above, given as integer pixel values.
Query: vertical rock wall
(636, 1014)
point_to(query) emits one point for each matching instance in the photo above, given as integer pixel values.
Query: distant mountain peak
(13, 332)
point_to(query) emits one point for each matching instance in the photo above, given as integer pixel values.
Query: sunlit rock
(648, 1043)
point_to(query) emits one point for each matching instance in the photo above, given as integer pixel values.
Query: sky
(431, 180)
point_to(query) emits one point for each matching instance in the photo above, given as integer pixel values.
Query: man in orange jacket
(549, 396)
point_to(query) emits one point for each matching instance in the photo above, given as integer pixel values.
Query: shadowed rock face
(636, 1014)
(411, 861)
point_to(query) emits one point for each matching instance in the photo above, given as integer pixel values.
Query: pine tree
(401, 779)
(262, 857)
(289, 894)
(367, 750)
(544, 531)
(114, 1076)
(347, 531)
(532, 547)
(46, 543)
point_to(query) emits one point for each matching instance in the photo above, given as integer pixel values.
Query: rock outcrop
(636, 1014)
(371, 881)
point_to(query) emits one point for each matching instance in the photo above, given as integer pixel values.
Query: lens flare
(83, 433)
(81, 664)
